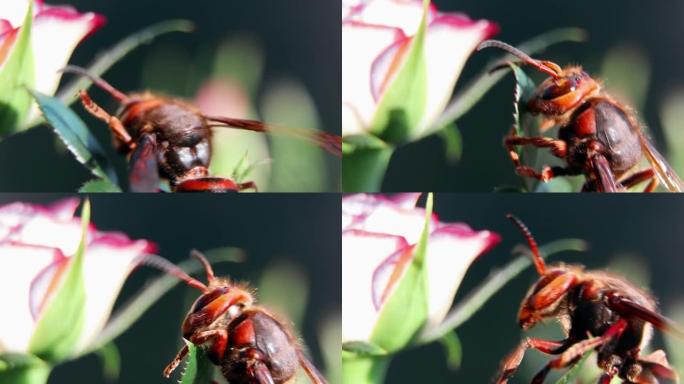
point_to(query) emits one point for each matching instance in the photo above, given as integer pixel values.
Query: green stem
(364, 169)
(363, 369)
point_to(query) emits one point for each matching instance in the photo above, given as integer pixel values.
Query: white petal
(106, 267)
(402, 14)
(449, 42)
(361, 45)
(48, 231)
(362, 253)
(14, 11)
(56, 33)
(18, 267)
(393, 220)
(451, 249)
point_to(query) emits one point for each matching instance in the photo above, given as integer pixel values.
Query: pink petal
(451, 250)
(56, 33)
(63, 209)
(449, 42)
(386, 66)
(388, 274)
(405, 15)
(45, 283)
(108, 262)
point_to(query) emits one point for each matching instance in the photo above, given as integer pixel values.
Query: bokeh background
(636, 236)
(273, 60)
(631, 45)
(292, 249)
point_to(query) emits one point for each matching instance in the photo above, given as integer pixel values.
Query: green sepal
(23, 369)
(16, 75)
(406, 310)
(111, 361)
(364, 169)
(452, 349)
(402, 106)
(61, 322)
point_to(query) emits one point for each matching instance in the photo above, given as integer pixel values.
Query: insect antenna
(100, 82)
(172, 269)
(547, 67)
(207, 266)
(536, 258)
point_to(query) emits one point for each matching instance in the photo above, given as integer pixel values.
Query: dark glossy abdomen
(616, 133)
(268, 337)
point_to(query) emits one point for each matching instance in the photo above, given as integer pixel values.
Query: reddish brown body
(170, 138)
(248, 343)
(598, 311)
(599, 137)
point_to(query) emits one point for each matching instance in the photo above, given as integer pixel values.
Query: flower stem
(363, 369)
(364, 169)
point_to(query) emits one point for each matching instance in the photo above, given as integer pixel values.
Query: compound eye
(207, 298)
(560, 87)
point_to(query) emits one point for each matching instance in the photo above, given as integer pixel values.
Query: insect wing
(262, 374)
(628, 308)
(144, 172)
(310, 369)
(605, 177)
(663, 170)
(330, 143)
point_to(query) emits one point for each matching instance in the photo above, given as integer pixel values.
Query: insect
(170, 138)
(246, 341)
(596, 310)
(599, 137)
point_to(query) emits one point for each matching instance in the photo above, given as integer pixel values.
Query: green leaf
(402, 104)
(453, 143)
(476, 89)
(111, 361)
(396, 326)
(23, 369)
(493, 284)
(75, 135)
(59, 326)
(569, 376)
(69, 93)
(363, 348)
(17, 74)
(363, 169)
(99, 186)
(198, 369)
(134, 309)
(524, 124)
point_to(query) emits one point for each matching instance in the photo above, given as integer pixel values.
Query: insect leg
(558, 149)
(248, 185)
(176, 361)
(113, 122)
(512, 362)
(577, 350)
(640, 177)
(218, 347)
(655, 369)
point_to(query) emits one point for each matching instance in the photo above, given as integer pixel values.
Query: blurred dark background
(299, 39)
(636, 236)
(649, 32)
(282, 236)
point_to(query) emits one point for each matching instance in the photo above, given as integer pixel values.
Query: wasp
(597, 311)
(247, 342)
(599, 137)
(170, 138)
